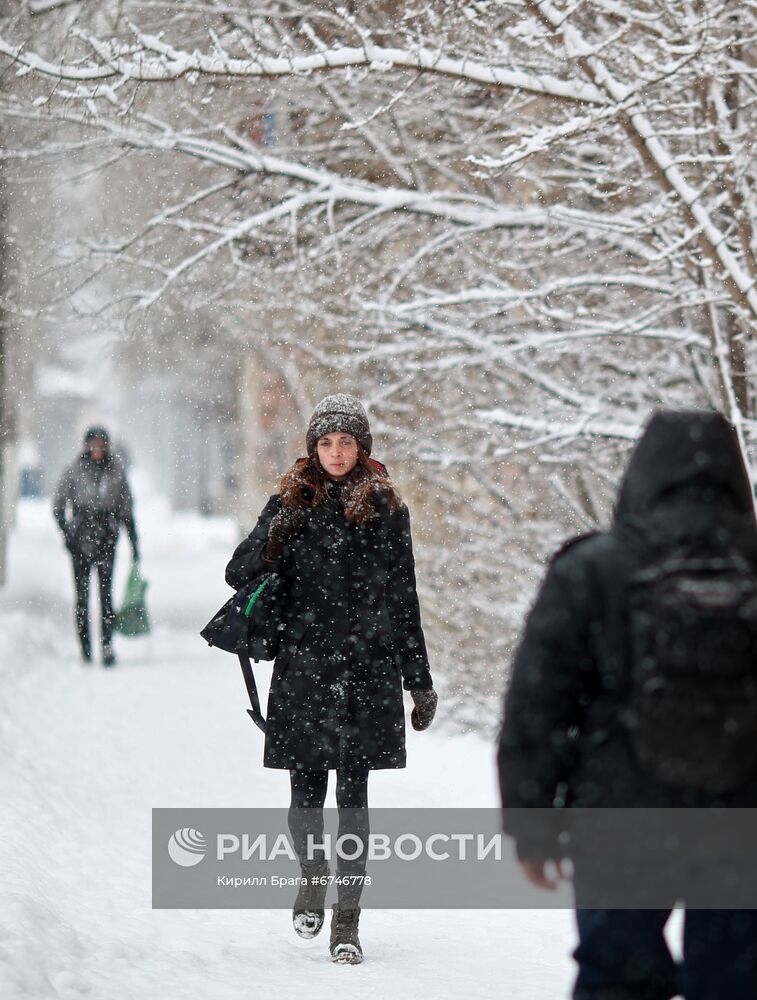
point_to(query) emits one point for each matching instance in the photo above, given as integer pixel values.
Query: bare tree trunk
(734, 330)
(7, 422)
(737, 354)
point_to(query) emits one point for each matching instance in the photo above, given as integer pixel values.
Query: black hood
(686, 459)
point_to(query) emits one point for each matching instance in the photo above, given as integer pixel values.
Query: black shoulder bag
(251, 624)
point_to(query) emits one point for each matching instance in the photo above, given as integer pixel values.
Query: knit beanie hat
(339, 413)
(95, 433)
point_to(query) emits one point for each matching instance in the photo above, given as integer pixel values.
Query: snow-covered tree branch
(517, 226)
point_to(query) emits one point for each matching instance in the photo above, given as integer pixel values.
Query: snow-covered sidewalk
(88, 753)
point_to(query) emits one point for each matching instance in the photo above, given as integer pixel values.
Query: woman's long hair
(306, 485)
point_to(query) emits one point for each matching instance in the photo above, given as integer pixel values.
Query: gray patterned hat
(342, 413)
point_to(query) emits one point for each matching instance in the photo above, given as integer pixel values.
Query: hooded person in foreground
(91, 502)
(624, 696)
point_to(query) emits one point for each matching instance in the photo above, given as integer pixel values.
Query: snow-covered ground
(87, 753)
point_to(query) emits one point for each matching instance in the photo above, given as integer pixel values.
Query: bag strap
(249, 679)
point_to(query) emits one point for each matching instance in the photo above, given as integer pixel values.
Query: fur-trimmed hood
(361, 492)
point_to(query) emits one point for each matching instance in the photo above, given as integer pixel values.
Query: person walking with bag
(339, 535)
(634, 689)
(91, 502)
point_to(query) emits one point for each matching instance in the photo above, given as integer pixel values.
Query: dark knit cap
(93, 433)
(340, 413)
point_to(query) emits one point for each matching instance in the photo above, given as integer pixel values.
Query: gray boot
(345, 944)
(307, 912)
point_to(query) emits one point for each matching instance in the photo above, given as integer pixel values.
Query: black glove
(284, 525)
(425, 708)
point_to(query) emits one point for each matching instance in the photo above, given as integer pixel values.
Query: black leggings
(306, 819)
(83, 567)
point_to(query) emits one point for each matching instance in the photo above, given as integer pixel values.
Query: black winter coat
(354, 635)
(562, 740)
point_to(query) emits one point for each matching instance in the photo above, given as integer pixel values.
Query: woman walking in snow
(339, 534)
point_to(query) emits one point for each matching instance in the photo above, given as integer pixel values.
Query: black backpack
(692, 706)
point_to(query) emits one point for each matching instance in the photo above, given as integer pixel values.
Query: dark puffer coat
(100, 499)
(561, 740)
(354, 636)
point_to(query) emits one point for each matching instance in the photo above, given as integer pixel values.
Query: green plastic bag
(132, 619)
